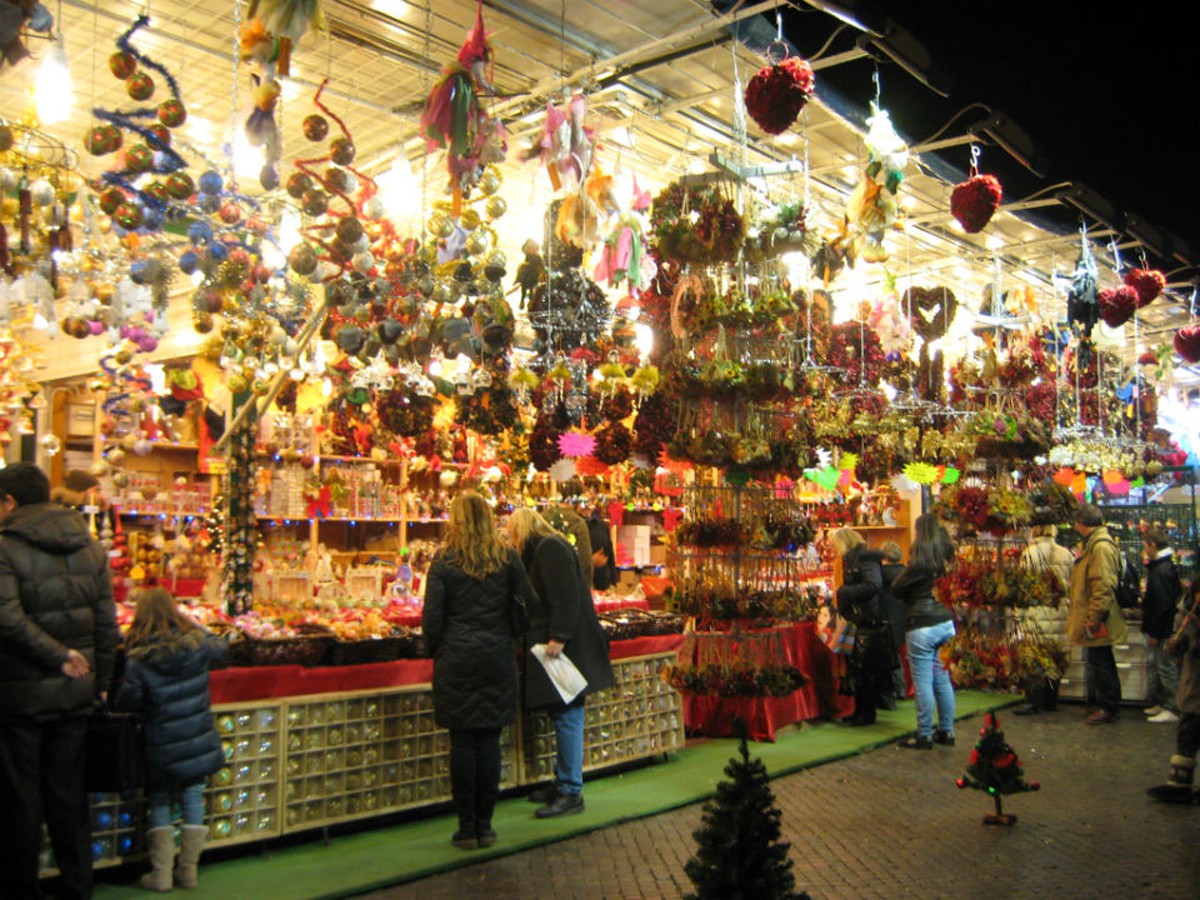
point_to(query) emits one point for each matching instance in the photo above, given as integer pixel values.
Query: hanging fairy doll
(623, 257)
(454, 118)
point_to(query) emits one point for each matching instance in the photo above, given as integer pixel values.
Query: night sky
(1106, 97)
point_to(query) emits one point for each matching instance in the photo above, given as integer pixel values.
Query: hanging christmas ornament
(287, 21)
(1149, 284)
(1187, 343)
(1117, 305)
(1083, 306)
(778, 91)
(975, 201)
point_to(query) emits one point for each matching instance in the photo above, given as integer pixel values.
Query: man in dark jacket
(1163, 590)
(58, 634)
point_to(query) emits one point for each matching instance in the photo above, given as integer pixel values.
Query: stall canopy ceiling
(659, 78)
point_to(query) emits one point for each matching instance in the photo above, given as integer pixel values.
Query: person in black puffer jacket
(1163, 590)
(568, 626)
(58, 636)
(859, 600)
(476, 601)
(166, 681)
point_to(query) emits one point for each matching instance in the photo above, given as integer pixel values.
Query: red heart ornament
(1117, 305)
(1187, 343)
(1148, 283)
(776, 94)
(975, 201)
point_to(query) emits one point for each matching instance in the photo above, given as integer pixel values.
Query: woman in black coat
(166, 681)
(859, 601)
(567, 624)
(476, 594)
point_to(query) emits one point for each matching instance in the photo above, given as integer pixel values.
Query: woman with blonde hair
(166, 681)
(475, 605)
(568, 626)
(860, 601)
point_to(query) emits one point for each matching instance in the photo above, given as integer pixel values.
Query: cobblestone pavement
(891, 823)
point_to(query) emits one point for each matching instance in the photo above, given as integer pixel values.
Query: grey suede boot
(160, 845)
(192, 843)
(1178, 788)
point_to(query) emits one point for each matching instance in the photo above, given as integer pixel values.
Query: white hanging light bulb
(54, 93)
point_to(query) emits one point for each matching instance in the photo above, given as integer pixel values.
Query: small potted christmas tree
(739, 855)
(993, 766)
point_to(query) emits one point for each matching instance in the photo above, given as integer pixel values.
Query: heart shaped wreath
(975, 201)
(931, 309)
(1117, 305)
(777, 93)
(1187, 343)
(1149, 284)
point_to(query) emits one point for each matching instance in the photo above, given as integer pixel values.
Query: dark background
(1108, 97)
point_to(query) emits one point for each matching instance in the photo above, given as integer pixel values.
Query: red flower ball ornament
(975, 201)
(1117, 305)
(777, 93)
(1149, 284)
(1187, 343)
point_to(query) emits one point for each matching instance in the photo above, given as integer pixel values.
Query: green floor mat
(353, 863)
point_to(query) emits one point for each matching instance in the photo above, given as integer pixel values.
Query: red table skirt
(713, 715)
(267, 682)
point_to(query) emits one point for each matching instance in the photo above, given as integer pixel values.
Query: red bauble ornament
(111, 200)
(180, 185)
(102, 139)
(298, 184)
(139, 158)
(1148, 283)
(157, 190)
(1117, 305)
(341, 151)
(777, 93)
(129, 216)
(160, 133)
(1187, 343)
(315, 127)
(139, 86)
(230, 213)
(172, 114)
(975, 201)
(122, 65)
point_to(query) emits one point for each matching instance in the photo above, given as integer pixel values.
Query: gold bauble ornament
(496, 207)
(477, 243)
(490, 181)
(470, 219)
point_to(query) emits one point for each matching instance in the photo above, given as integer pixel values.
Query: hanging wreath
(1149, 284)
(1117, 305)
(543, 445)
(974, 201)
(857, 350)
(654, 426)
(777, 93)
(933, 309)
(613, 444)
(1187, 343)
(697, 224)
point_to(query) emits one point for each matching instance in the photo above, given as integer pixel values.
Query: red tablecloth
(267, 682)
(712, 715)
(616, 606)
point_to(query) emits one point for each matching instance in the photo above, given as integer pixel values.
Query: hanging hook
(975, 153)
(878, 85)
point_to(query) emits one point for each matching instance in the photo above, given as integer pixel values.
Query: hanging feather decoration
(1083, 305)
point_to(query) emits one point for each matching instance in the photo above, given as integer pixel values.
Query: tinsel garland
(543, 444)
(616, 406)
(653, 426)
(490, 411)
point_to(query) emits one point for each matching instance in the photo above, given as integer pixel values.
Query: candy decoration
(1149, 284)
(777, 93)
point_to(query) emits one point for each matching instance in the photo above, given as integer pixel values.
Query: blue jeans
(191, 798)
(1164, 675)
(931, 681)
(568, 761)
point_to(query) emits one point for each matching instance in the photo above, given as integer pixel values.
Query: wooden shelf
(360, 459)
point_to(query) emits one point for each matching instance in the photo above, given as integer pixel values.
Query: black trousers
(1103, 682)
(872, 664)
(474, 775)
(41, 774)
(1187, 737)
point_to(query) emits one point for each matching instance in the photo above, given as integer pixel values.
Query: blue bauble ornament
(97, 850)
(103, 819)
(152, 218)
(189, 261)
(209, 202)
(218, 252)
(200, 233)
(125, 818)
(210, 183)
(124, 846)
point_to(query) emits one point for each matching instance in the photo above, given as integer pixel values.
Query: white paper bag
(567, 679)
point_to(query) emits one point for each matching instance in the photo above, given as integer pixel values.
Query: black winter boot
(1178, 788)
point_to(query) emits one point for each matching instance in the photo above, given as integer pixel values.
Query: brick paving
(890, 823)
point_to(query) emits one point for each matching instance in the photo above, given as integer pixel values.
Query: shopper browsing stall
(928, 626)
(58, 632)
(166, 681)
(567, 625)
(1159, 606)
(1094, 620)
(476, 594)
(1185, 644)
(859, 601)
(1043, 553)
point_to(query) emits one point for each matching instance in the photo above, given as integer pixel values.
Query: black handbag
(116, 754)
